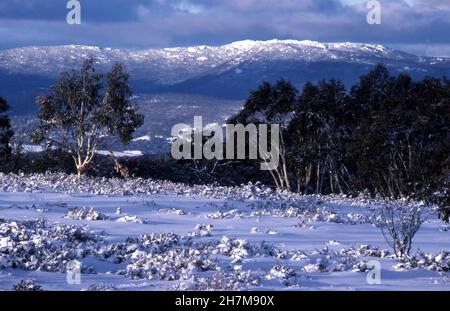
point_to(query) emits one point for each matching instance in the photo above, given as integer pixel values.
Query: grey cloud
(160, 23)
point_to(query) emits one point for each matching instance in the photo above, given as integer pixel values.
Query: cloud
(160, 23)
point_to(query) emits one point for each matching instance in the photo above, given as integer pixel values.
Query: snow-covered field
(150, 235)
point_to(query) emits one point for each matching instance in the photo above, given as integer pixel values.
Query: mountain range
(229, 72)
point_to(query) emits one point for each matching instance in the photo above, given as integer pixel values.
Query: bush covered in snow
(85, 214)
(27, 286)
(213, 255)
(438, 262)
(170, 265)
(202, 230)
(133, 219)
(34, 245)
(233, 281)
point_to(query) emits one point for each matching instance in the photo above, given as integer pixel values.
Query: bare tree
(399, 224)
(82, 109)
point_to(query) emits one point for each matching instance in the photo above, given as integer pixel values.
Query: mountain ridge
(226, 71)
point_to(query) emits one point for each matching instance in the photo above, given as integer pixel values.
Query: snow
(177, 64)
(143, 138)
(119, 154)
(32, 148)
(152, 235)
(202, 58)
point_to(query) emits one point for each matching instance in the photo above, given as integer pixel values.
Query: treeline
(387, 135)
(6, 133)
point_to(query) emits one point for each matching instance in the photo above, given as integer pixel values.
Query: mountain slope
(228, 71)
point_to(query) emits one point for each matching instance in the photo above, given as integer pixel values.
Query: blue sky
(418, 26)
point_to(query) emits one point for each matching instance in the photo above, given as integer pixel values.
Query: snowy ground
(148, 235)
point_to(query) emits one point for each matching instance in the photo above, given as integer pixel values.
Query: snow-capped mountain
(229, 71)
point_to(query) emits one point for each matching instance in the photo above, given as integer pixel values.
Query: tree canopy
(83, 108)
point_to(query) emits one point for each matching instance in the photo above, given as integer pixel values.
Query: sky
(418, 26)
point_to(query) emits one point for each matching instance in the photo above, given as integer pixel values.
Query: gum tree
(82, 109)
(271, 104)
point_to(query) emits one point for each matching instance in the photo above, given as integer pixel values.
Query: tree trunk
(79, 173)
(308, 177)
(318, 178)
(81, 169)
(286, 176)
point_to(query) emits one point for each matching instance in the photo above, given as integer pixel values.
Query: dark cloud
(415, 25)
(53, 10)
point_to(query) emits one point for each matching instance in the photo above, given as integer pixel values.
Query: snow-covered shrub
(114, 253)
(133, 219)
(85, 214)
(286, 275)
(234, 248)
(33, 245)
(223, 215)
(234, 281)
(135, 186)
(170, 265)
(362, 266)
(309, 210)
(27, 286)
(319, 266)
(159, 243)
(299, 255)
(148, 243)
(201, 230)
(239, 249)
(268, 249)
(176, 211)
(328, 260)
(255, 230)
(356, 218)
(272, 232)
(438, 262)
(372, 251)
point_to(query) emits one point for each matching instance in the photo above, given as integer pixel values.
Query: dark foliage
(388, 135)
(6, 133)
(82, 108)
